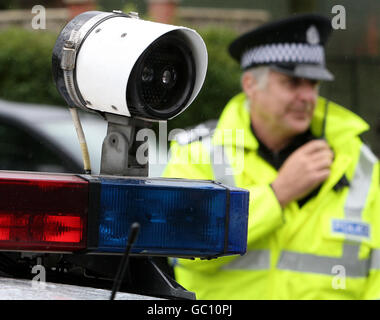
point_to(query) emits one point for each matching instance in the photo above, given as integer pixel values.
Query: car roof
(22, 289)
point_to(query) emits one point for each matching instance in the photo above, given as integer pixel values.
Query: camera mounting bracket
(120, 145)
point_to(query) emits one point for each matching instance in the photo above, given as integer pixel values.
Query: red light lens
(42, 212)
(63, 229)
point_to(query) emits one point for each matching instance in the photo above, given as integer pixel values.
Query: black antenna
(133, 232)
(323, 135)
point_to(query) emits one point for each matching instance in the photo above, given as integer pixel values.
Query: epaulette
(196, 133)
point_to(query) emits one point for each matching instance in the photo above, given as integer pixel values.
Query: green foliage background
(221, 83)
(25, 67)
(26, 75)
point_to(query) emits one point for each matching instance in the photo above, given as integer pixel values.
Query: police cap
(294, 46)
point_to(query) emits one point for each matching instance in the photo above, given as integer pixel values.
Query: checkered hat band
(284, 52)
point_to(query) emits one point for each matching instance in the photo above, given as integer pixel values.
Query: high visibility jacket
(327, 249)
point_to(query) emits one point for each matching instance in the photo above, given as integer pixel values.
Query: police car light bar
(93, 214)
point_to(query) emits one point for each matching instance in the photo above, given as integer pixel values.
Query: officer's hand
(303, 171)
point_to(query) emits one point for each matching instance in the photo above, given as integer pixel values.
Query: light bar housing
(93, 215)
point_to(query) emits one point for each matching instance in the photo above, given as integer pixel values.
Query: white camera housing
(117, 63)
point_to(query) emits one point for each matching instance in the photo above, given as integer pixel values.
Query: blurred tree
(9, 4)
(25, 64)
(299, 6)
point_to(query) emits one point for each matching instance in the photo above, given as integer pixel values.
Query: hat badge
(312, 35)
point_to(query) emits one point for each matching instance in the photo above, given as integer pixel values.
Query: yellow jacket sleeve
(265, 213)
(186, 162)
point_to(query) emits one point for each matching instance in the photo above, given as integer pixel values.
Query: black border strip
(94, 189)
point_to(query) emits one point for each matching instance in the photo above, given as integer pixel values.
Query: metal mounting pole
(119, 147)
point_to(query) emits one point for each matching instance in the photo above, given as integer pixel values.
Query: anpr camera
(118, 64)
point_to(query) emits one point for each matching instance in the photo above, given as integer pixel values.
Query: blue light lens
(177, 217)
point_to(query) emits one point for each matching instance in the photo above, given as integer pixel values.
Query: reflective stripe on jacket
(327, 249)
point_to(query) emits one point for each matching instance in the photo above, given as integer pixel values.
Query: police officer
(314, 220)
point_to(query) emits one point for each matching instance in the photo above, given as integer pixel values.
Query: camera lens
(169, 77)
(162, 79)
(147, 75)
